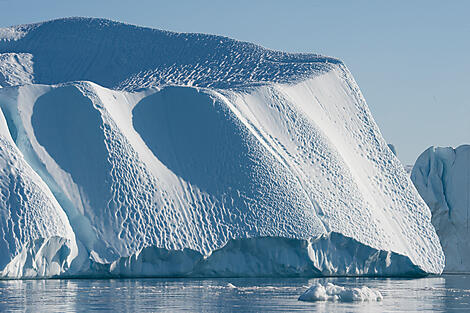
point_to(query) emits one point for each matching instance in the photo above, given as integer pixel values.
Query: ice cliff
(442, 177)
(129, 151)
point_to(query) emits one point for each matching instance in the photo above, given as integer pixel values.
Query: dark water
(437, 294)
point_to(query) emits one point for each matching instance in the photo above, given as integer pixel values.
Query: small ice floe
(332, 292)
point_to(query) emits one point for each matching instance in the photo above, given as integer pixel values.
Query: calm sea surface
(447, 293)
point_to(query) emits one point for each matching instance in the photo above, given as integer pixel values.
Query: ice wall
(442, 177)
(35, 235)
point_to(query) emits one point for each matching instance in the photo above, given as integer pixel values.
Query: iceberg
(332, 292)
(442, 177)
(168, 154)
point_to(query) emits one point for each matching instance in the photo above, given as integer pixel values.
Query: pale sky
(411, 59)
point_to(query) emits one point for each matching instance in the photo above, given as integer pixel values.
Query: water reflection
(438, 294)
(457, 290)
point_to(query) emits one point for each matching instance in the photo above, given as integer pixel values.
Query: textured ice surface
(16, 69)
(332, 292)
(29, 214)
(328, 255)
(254, 150)
(117, 55)
(442, 177)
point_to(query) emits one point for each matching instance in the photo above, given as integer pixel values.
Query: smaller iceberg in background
(332, 292)
(442, 177)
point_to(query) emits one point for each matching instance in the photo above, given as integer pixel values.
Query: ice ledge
(328, 255)
(331, 254)
(41, 258)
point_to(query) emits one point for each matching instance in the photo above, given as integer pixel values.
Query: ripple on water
(437, 294)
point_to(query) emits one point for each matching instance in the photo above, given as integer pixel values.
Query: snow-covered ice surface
(442, 177)
(196, 155)
(332, 292)
(120, 56)
(16, 69)
(36, 237)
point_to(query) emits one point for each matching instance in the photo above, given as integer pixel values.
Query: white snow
(16, 69)
(442, 177)
(29, 214)
(332, 292)
(121, 56)
(12, 33)
(269, 164)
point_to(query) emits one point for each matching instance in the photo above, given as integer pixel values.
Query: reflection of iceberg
(442, 177)
(269, 150)
(431, 294)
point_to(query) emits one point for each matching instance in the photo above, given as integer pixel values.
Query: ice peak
(124, 56)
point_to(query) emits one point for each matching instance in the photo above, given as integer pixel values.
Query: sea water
(438, 294)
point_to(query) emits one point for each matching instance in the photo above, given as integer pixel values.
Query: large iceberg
(442, 177)
(164, 154)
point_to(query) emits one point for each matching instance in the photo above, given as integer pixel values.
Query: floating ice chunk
(332, 292)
